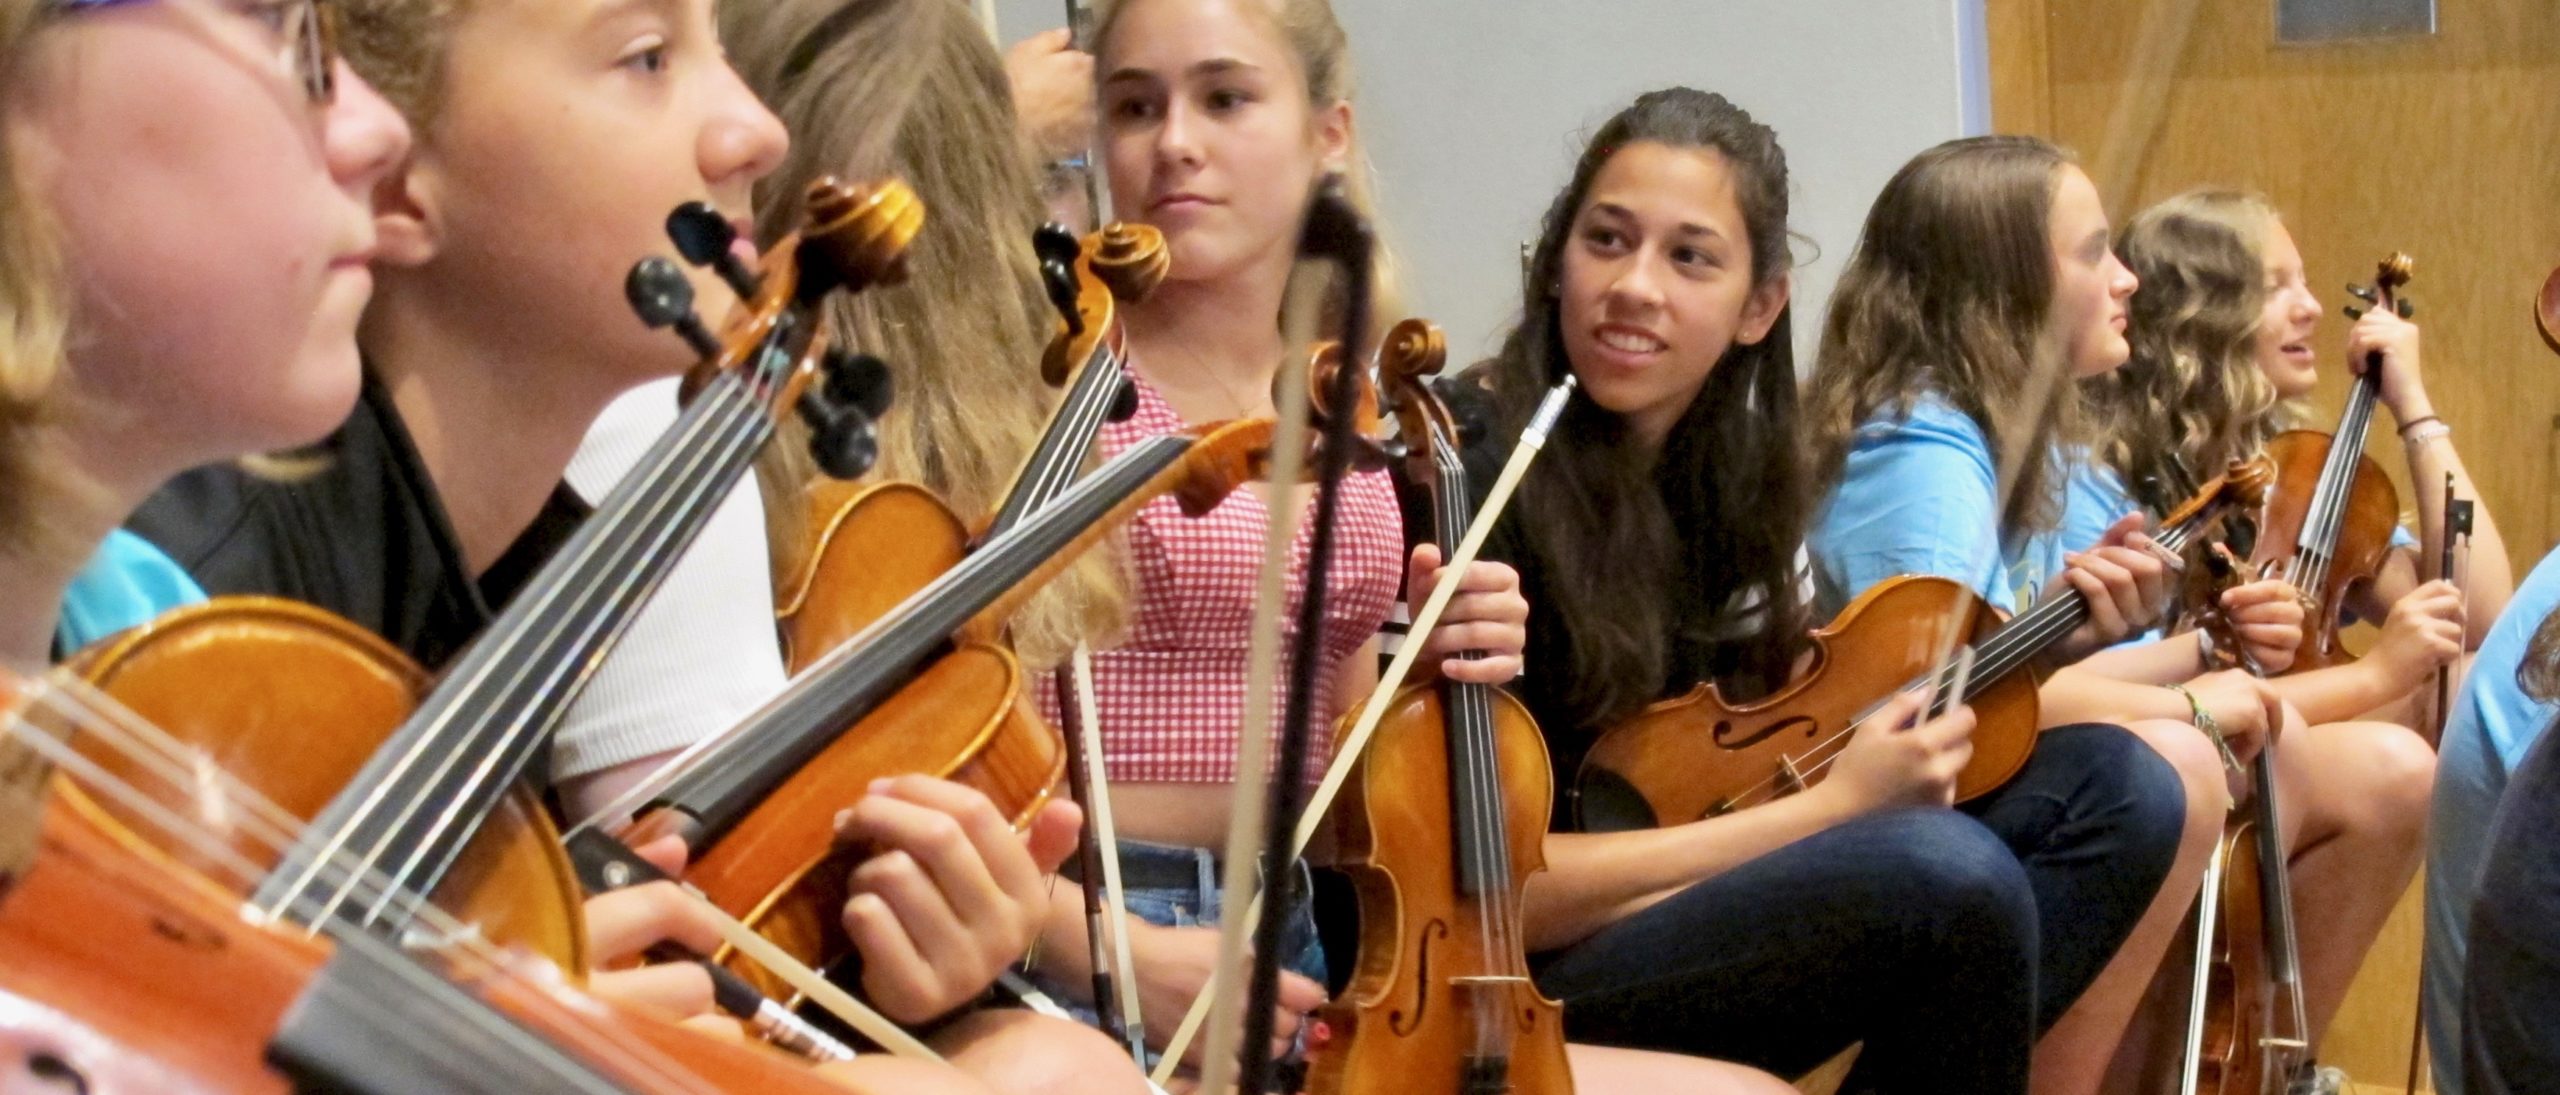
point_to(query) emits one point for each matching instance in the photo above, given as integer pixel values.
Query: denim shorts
(1197, 900)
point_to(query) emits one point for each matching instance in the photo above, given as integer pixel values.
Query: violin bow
(1096, 189)
(1115, 977)
(1351, 745)
(1335, 233)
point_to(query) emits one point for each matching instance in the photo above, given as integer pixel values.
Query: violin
(424, 785)
(1698, 755)
(927, 687)
(130, 972)
(2326, 526)
(2248, 1032)
(1442, 824)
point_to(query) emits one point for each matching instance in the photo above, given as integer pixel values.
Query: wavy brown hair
(1721, 508)
(2192, 398)
(1950, 291)
(914, 89)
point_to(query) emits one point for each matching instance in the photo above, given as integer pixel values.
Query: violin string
(535, 655)
(423, 727)
(269, 825)
(1995, 659)
(1087, 405)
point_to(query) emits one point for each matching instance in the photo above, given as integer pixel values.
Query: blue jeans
(1944, 942)
(1200, 902)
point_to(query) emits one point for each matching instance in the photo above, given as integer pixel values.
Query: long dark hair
(1950, 290)
(1719, 512)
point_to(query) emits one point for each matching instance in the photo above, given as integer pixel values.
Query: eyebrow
(1215, 66)
(611, 10)
(1685, 228)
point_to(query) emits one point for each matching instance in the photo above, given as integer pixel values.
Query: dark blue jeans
(1944, 942)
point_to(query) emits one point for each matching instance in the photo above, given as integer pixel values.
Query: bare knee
(2200, 771)
(1019, 1051)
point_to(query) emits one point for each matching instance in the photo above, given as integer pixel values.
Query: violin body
(2240, 1000)
(138, 977)
(2371, 511)
(292, 701)
(1697, 755)
(1408, 1019)
(966, 718)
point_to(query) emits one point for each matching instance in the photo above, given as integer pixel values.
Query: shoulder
(126, 584)
(1916, 496)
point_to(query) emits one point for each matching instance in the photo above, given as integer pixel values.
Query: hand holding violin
(2125, 582)
(1174, 963)
(954, 896)
(2404, 388)
(1890, 763)
(1488, 616)
(2266, 617)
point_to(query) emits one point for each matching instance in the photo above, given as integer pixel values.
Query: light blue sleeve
(2094, 499)
(126, 584)
(2401, 537)
(1916, 496)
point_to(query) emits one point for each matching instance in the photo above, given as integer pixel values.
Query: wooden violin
(928, 687)
(426, 785)
(2248, 1033)
(1442, 824)
(2326, 526)
(1698, 755)
(129, 971)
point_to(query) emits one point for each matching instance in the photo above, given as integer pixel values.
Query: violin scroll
(857, 236)
(2546, 311)
(1131, 259)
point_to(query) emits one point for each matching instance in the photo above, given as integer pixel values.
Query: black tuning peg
(2354, 312)
(859, 381)
(663, 297)
(705, 238)
(2361, 292)
(1058, 250)
(844, 441)
(1124, 402)
(2406, 309)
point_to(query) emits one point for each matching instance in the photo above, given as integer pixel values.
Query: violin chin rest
(1604, 802)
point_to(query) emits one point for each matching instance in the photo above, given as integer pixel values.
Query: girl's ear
(1760, 311)
(1333, 132)
(407, 205)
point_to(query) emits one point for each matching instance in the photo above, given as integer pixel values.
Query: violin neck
(725, 781)
(2327, 514)
(1482, 840)
(2020, 641)
(478, 733)
(1071, 433)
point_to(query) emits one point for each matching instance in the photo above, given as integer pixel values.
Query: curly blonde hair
(914, 89)
(2192, 399)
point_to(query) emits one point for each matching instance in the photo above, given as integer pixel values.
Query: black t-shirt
(364, 536)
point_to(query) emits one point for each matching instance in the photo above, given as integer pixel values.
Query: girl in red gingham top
(1218, 120)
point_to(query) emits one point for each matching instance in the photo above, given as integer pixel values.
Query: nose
(1633, 286)
(362, 136)
(2125, 281)
(741, 140)
(1177, 139)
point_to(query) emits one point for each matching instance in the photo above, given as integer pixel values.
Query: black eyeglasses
(306, 32)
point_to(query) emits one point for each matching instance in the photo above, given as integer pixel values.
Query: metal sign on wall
(2306, 21)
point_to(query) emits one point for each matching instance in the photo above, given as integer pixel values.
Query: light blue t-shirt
(2492, 725)
(1919, 494)
(126, 584)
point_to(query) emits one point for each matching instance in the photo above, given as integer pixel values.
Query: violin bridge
(1790, 779)
(2284, 1043)
(1490, 980)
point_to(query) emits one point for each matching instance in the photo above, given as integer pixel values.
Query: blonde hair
(36, 477)
(2192, 399)
(913, 88)
(1315, 38)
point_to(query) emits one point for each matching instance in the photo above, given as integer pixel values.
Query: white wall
(1473, 110)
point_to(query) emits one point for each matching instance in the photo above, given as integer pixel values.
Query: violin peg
(2361, 292)
(842, 440)
(1124, 402)
(2406, 309)
(1054, 242)
(2354, 312)
(1058, 279)
(700, 233)
(663, 297)
(859, 381)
